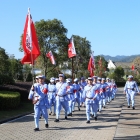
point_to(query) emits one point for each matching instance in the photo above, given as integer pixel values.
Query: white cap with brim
(130, 76)
(41, 76)
(36, 77)
(94, 76)
(76, 80)
(103, 78)
(68, 80)
(107, 78)
(61, 75)
(99, 78)
(90, 78)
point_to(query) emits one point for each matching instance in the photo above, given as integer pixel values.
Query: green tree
(119, 73)
(100, 66)
(4, 63)
(15, 67)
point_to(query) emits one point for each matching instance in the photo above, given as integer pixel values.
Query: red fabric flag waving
(51, 57)
(71, 48)
(132, 67)
(91, 66)
(30, 42)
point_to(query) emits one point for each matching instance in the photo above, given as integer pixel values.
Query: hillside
(120, 58)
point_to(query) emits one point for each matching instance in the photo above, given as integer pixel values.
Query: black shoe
(95, 118)
(88, 122)
(92, 115)
(104, 106)
(80, 105)
(133, 107)
(99, 111)
(70, 114)
(36, 129)
(112, 99)
(128, 107)
(66, 118)
(73, 111)
(84, 106)
(79, 108)
(46, 125)
(50, 113)
(56, 120)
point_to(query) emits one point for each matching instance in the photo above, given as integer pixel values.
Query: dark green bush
(9, 100)
(6, 79)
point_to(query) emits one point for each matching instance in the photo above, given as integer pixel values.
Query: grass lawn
(23, 108)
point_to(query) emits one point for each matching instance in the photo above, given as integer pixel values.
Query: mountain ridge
(120, 58)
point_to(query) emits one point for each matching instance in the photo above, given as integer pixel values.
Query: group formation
(92, 93)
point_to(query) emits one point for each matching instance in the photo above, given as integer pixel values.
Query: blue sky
(112, 26)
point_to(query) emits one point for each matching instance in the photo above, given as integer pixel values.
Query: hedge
(6, 79)
(9, 100)
(122, 84)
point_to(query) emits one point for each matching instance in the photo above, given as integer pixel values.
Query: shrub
(6, 79)
(9, 100)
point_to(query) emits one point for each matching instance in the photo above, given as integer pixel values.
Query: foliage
(4, 63)
(6, 79)
(9, 99)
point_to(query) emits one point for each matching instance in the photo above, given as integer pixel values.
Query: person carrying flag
(38, 94)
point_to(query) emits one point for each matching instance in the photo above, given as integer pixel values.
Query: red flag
(30, 42)
(71, 48)
(51, 57)
(91, 66)
(132, 67)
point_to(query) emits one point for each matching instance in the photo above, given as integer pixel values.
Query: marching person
(61, 97)
(38, 94)
(52, 95)
(70, 92)
(76, 95)
(82, 85)
(130, 90)
(114, 89)
(90, 96)
(99, 94)
(108, 90)
(103, 90)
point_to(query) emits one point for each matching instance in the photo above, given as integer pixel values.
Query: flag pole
(31, 45)
(72, 70)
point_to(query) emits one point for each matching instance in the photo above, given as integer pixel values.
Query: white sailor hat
(107, 78)
(103, 78)
(90, 78)
(130, 76)
(61, 75)
(99, 78)
(52, 79)
(76, 80)
(41, 76)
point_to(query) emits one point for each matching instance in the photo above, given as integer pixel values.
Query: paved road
(115, 122)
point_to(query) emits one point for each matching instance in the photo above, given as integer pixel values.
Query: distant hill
(120, 58)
